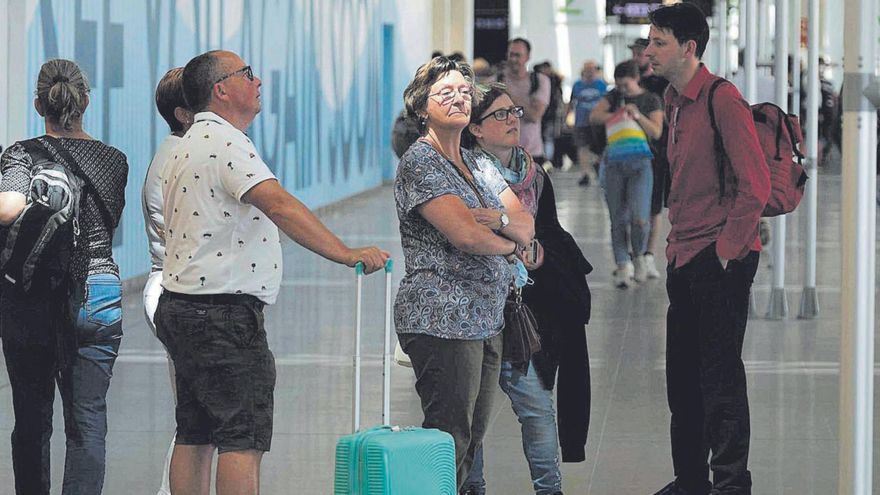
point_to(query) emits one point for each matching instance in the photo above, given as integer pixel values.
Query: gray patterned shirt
(446, 292)
(107, 168)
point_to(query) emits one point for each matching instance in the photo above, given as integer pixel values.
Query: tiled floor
(792, 369)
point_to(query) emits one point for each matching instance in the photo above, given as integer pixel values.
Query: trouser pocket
(99, 318)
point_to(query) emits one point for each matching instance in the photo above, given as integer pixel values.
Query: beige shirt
(215, 243)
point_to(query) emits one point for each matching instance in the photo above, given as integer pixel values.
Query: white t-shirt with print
(215, 243)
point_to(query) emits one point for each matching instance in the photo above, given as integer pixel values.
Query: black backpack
(35, 249)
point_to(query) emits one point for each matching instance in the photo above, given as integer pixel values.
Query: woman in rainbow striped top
(632, 117)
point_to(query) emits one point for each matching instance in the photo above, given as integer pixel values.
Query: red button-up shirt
(698, 212)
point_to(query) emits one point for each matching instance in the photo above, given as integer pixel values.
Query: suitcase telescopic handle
(386, 354)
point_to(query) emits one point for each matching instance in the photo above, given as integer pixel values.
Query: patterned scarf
(521, 176)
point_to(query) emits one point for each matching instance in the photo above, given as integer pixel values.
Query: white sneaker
(640, 271)
(622, 277)
(650, 266)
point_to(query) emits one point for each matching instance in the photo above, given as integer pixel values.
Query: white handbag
(400, 357)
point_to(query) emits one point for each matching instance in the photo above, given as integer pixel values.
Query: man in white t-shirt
(223, 208)
(172, 106)
(530, 90)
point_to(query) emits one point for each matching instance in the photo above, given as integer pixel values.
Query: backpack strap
(534, 83)
(74, 167)
(718, 141)
(36, 150)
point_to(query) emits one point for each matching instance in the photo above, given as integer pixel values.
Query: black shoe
(585, 180)
(674, 489)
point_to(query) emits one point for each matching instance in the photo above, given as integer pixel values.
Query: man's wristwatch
(505, 221)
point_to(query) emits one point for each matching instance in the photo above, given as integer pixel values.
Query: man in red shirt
(713, 255)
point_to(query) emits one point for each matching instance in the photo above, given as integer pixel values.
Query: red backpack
(779, 135)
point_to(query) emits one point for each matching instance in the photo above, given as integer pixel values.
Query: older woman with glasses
(460, 224)
(559, 298)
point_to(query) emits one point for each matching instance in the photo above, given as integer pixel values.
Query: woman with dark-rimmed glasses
(461, 228)
(559, 298)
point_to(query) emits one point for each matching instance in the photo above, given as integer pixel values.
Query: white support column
(794, 44)
(4, 62)
(748, 18)
(762, 14)
(15, 84)
(777, 308)
(721, 21)
(857, 223)
(809, 307)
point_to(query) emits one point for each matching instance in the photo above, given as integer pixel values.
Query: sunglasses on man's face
(502, 113)
(246, 71)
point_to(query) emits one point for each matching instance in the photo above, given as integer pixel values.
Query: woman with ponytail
(66, 337)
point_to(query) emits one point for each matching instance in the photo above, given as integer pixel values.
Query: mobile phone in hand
(532, 252)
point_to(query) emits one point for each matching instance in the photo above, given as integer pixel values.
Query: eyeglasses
(502, 113)
(448, 94)
(246, 71)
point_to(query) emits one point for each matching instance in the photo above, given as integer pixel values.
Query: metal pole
(389, 350)
(777, 308)
(762, 14)
(794, 36)
(857, 223)
(809, 307)
(721, 16)
(356, 403)
(750, 20)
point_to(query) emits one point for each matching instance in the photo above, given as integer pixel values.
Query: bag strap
(718, 141)
(74, 167)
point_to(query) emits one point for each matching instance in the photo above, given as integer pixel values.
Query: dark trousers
(457, 382)
(28, 325)
(705, 376)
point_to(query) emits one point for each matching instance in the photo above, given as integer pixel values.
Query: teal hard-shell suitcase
(388, 460)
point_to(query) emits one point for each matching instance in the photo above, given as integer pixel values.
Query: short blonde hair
(415, 96)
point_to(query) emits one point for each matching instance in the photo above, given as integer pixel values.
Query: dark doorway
(491, 29)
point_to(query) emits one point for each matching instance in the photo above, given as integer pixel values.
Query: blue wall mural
(323, 126)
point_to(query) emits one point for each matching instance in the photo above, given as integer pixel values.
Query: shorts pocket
(245, 325)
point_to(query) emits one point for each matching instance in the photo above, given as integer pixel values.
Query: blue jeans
(28, 324)
(628, 187)
(533, 405)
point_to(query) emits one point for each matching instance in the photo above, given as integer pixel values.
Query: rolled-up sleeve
(15, 167)
(420, 180)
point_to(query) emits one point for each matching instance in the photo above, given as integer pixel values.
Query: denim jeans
(628, 188)
(29, 348)
(705, 375)
(533, 405)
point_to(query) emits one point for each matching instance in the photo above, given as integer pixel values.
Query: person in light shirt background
(171, 104)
